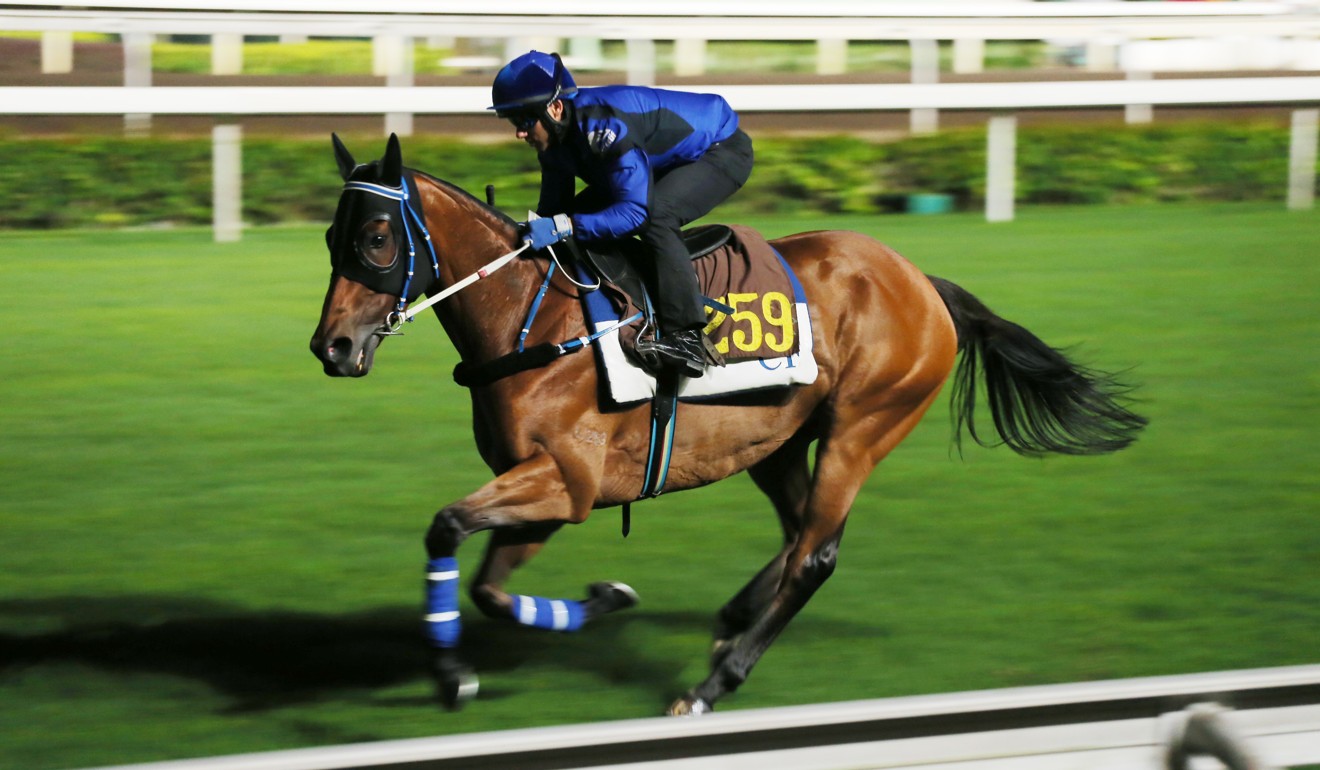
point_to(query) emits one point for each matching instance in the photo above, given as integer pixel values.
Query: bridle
(402, 313)
(520, 359)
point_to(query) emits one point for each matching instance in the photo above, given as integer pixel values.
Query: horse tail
(1041, 402)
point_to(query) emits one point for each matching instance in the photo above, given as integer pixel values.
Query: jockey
(653, 160)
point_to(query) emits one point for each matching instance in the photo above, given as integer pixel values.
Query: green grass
(210, 547)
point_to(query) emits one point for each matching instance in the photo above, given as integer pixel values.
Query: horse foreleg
(531, 495)
(510, 549)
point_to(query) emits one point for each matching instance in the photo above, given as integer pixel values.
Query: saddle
(734, 265)
(614, 265)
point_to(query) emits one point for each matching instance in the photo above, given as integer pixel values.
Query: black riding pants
(679, 196)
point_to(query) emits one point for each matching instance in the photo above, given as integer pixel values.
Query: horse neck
(483, 319)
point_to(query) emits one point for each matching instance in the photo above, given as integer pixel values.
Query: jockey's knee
(663, 222)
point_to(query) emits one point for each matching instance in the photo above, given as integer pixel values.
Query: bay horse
(885, 335)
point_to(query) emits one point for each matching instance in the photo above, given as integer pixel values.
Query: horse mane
(463, 195)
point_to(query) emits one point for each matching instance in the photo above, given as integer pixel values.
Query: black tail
(1040, 401)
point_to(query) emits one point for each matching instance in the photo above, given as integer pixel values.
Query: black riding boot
(683, 351)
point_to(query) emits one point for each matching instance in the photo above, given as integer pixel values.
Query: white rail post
(227, 181)
(586, 53)
(56, 52)
(1139, 113)
(831, 56)
(1301, 159)
(925, 71)
(382, 54)
(641, 62)
(1000, 168)
(226, 53)
(137, 74)
(968, 56)
(399, 70)
(689, 56)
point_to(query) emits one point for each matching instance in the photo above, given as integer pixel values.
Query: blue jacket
(619, 137)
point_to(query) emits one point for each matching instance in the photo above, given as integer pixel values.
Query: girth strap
(664, 411)
(664, 408)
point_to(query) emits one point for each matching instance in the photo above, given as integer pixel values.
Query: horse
(886, 338)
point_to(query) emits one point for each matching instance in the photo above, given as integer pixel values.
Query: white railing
(1115, 725)
(1303, 93)
(830, 22)
(446, 100)
(856, 8)
(1103, 26)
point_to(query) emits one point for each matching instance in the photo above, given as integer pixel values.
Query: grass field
(210, 547)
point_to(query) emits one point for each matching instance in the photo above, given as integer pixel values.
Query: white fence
(1114, 725)
(1300, 92)
(1104, 25)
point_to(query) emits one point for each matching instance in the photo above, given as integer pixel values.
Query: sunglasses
(522, 121)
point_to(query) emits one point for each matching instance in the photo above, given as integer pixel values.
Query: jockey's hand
(548, 231)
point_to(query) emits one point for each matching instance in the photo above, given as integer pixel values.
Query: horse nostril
(339, 350)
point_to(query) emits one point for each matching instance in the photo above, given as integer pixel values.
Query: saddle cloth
(766, 341)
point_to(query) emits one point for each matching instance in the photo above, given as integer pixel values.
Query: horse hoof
(456, 682)
(457, 689)
(611, 596)
(690, 706)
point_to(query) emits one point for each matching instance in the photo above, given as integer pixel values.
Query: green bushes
(50, 183)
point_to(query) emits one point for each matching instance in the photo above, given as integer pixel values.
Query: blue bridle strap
(402, 195)
(536, 305)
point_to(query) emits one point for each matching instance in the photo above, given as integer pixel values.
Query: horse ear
(343, 157)
(391, 166)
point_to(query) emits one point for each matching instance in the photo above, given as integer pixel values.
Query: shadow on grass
(269, 659)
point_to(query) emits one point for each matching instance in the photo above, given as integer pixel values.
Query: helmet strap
(558, 128)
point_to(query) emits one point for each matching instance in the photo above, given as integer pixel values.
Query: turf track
(209, 547)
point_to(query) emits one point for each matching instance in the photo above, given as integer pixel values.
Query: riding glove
(547, 231)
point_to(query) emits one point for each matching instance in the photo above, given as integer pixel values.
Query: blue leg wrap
(442, 624)
(550, 614)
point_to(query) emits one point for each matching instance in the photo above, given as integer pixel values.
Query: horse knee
(445, 534)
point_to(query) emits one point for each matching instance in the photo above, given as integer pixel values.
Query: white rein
(396, 318)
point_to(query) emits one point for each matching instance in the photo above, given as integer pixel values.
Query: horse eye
(377, 241)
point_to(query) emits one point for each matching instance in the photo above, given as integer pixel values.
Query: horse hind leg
(844, 459)
(785, 478)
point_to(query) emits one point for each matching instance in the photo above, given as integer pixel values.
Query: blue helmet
(532, 80)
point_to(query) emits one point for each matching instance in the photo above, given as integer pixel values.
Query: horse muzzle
(343, 356)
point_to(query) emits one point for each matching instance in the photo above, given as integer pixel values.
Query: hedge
(79, 182)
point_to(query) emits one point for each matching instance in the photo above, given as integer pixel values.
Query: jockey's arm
(629, 180)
